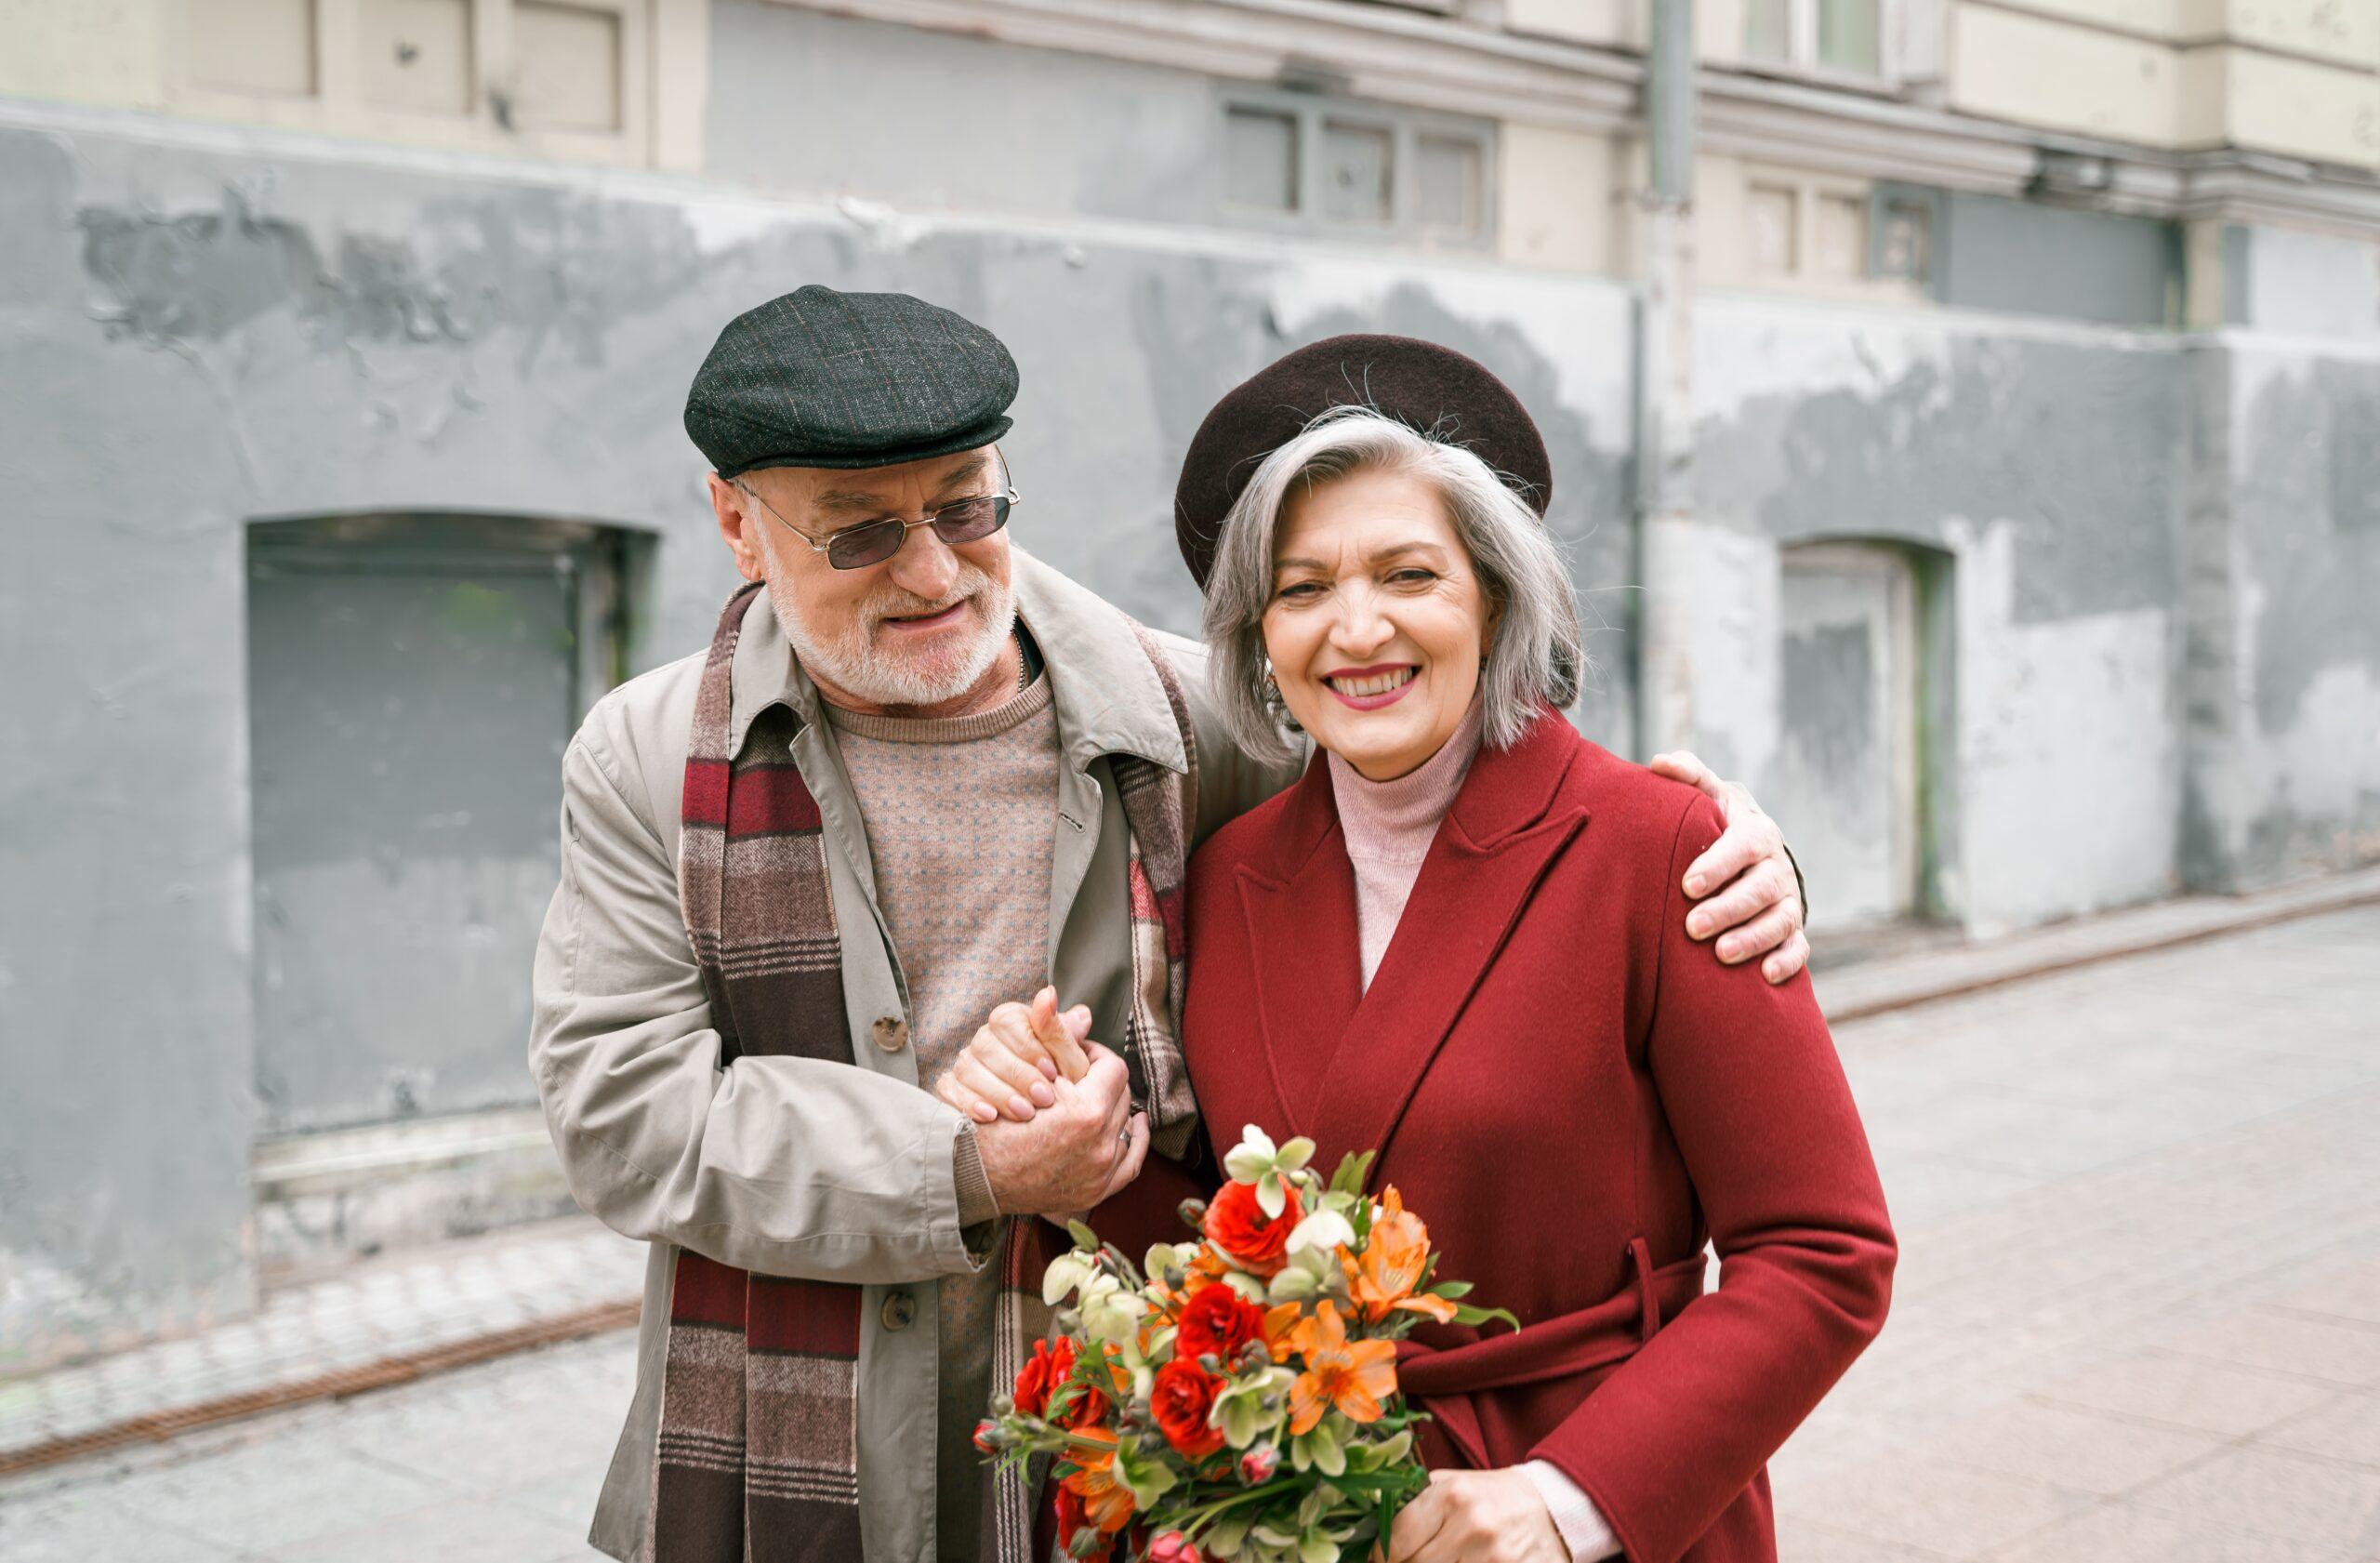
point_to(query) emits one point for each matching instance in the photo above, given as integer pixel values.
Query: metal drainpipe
(1665, 390)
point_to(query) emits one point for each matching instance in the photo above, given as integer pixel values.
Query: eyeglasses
(873, 542)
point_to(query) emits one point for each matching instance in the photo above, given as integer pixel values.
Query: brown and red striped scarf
(757, 1452)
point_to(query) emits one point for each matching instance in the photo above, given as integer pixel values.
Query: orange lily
(1281, 1329)
(1381, 1281)
(1355, 1376)
(1105, 1500)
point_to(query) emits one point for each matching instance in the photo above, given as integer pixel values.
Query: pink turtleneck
(1389, 827)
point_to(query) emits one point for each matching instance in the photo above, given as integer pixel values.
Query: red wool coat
(1577, 1098)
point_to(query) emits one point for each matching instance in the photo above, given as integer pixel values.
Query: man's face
(919, 629)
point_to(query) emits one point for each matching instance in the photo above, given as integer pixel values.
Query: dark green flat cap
(822, 378)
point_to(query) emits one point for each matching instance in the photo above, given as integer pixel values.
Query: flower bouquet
(1235, 1397)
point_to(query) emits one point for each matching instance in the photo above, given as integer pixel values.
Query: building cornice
(1392, 55)
(1384, 54)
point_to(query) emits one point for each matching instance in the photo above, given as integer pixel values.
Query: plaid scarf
(759, 1445)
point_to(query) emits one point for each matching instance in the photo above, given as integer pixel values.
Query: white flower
(1110, 1312)
(1322, 1232)
(1065, 1272)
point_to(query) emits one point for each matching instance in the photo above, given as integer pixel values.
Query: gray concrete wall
(818, 104)
(2043, 463)
(2151, 557)
(203, 330)
(2284, 648)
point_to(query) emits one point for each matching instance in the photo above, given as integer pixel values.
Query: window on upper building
(1844, 35)
(563, 78)
(1341, 168)
(1831, 234)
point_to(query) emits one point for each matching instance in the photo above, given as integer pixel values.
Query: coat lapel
(1491, 852)
(1301, 923)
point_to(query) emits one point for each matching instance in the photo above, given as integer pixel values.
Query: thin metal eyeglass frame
(1009, 495)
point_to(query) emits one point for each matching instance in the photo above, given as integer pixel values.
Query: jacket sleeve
(1763, 1118)
(797, 1167)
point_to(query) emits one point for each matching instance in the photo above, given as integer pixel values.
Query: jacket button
(891, 1033)
(900, 1310)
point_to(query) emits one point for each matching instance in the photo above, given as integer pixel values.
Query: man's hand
(1476, 1516)
(1757, 905)
(1086, 1144)
(1013, 1058)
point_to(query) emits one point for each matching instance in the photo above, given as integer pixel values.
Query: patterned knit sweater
(961, 801)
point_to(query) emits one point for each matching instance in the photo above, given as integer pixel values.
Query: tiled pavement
(403, 1304)
(2137, 1315)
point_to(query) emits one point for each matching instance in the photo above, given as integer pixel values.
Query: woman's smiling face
(1378, 620)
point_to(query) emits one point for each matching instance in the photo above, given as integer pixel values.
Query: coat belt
(1569, 1345)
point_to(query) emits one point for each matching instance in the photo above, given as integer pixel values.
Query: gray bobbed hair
(1536, 650)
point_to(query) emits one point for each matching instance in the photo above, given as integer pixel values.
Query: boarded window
(568, 76)
(417, 55)
(412, 684)
(1260, 159)
(1842, 248)
(264, 46)
(1448, 173)
(1773, 212)
(1358, 172)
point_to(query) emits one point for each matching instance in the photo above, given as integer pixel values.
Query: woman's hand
(1007, 1069)
(1476, 1516)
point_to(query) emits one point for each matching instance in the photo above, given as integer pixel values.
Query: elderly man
(917, 774)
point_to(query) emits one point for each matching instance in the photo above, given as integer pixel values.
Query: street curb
(1872, 989)
(403, 1368)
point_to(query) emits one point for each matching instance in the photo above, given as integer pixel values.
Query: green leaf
(1465, 1313)
(1148, 1477)
(1451, 1290)
(1319, 1449)
(1085, 1239)
(1354, 1169)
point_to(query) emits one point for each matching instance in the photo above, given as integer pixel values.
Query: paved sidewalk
(376, 1317)
(2137, 1315)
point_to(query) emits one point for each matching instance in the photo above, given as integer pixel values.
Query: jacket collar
(1107, 697)
(1503, 832)
(1506, 791)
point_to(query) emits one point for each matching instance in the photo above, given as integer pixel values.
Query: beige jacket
(794, 1166)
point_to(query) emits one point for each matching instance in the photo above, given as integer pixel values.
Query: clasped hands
(1052, 1110)
(1054, 1126)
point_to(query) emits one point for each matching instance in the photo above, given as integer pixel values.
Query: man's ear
(729, 506)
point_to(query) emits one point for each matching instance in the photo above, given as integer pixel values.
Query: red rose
(1044, 1373)
(1180, 1400)
(1217, 1320)
(1238, 1225)
(1090, 1408)
(1074, 1520)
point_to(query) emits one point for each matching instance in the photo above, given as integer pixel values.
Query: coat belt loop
(1649, 1302)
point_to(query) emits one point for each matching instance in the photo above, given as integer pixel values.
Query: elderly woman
(1460, 940)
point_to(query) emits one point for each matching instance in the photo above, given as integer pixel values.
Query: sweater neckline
(1025, 703)
(1395, 820)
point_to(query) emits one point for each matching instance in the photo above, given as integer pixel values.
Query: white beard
(852, 664)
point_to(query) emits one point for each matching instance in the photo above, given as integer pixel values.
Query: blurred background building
(1987, 470)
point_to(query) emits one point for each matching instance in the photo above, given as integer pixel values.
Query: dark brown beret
(822, 378)
(1435, 391)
